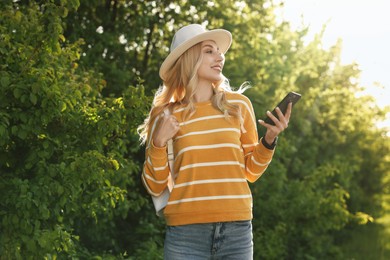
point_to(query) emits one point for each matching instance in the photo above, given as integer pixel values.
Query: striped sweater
(214, 159)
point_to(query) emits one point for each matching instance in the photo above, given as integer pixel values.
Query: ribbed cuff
(269, 146)
(157, 152)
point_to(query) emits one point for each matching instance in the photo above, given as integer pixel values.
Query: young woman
(216, 150)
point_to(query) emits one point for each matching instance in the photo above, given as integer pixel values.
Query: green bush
(68, 168)
(70, 161)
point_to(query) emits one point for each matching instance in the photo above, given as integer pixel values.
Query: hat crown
(186, 33)
(188, 36)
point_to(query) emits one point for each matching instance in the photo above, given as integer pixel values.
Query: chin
(216, 79)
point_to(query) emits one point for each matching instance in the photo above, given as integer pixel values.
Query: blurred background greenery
(78, 77)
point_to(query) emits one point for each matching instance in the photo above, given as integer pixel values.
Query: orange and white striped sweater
(214, 159)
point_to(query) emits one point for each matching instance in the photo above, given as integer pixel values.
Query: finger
(269, 127)
(279, 112)
(173, 117)
(176, 128)
(261, 122)
(174, 120)
(283, 120)
(274, 118)
(164, 118)
(288, 112)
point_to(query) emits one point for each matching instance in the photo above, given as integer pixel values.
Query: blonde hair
(180, 86)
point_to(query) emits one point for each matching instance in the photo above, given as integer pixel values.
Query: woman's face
(213, 60)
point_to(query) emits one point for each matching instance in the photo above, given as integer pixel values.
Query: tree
(78, 78)
(66, 152)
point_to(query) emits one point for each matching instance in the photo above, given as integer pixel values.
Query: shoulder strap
(171, 159)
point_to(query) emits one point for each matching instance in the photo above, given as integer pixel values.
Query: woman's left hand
(280, 124)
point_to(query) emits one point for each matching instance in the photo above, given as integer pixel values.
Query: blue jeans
(222, 240)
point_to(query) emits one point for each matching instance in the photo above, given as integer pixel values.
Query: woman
(216, 150)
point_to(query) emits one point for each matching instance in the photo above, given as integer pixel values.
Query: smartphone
(292, 97)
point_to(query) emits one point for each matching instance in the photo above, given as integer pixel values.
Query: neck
(203, 93)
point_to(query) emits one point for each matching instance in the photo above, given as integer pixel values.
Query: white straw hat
(190, 35)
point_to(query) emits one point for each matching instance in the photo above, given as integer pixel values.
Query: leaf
(35, 88)
(62, 37)
(63, 106)
(33, 98)
(17, 93)
(4, 81)
(45, 213)
(14, 130)
(3, 130)
(63, 12)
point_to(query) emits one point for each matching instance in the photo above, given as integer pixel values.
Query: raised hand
(166, 129)
(280, 124)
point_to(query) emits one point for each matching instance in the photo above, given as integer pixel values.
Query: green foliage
(78, 77)
(67, 154)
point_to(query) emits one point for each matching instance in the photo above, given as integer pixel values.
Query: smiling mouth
(219, 68)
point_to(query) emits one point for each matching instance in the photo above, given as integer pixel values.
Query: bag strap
(171, 158)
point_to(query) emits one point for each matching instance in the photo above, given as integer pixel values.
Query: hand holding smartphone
(292, 97)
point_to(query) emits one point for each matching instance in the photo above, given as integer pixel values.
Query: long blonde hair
(180, 86)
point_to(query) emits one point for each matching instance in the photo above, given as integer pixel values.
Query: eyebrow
(209, 45)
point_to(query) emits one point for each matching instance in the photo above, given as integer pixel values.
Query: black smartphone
(292, 97)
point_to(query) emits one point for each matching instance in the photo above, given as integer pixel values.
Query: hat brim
(221, 37)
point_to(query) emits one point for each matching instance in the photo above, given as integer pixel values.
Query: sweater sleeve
(257, 156)
(156, 169)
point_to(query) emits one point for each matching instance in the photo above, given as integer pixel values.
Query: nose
(220, 56)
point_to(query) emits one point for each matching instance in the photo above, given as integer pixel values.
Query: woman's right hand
(166, 129)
